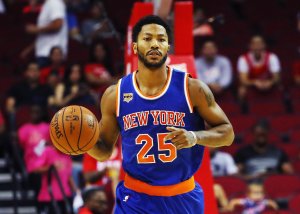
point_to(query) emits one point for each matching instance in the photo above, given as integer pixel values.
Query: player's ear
(134, 47)
(169, 48)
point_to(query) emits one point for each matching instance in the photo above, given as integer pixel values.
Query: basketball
(74, 130)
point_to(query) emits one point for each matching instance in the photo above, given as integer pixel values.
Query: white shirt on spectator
(52, 10)
(219, 71)
(273, 64)
(222, 164)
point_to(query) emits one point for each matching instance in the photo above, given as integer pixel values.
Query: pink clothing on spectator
(63, 164)
(32, 138)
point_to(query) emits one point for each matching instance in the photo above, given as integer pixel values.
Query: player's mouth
(154, 53)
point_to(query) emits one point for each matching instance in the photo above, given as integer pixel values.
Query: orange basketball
(74, 130)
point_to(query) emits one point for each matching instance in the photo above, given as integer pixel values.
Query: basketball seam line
(92, 136)
(58, 142)
(65, 131)
(80, 129)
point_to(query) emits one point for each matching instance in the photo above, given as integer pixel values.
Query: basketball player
(160, 113)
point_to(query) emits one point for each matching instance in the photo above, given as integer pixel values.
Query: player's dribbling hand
(181, 138)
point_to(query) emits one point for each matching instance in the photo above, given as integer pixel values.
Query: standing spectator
(53, 74)
(255, 201)
(29, 91)
(73, 90)
(98, 26)
(258, 68)
(51, 30)
(214, 69)
(98, 71)
(221, 163)
(95, 201)
(261, 158)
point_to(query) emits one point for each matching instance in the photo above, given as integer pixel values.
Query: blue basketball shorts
(131, 202)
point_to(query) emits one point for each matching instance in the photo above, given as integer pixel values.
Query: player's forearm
(101, 151)
(221, 135)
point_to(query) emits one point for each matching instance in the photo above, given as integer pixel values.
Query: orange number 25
(144, 158)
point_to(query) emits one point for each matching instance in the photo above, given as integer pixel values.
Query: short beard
(152, 65)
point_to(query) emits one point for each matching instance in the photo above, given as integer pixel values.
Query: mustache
(154, 51)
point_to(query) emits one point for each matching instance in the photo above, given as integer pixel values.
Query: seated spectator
(221, 197)
(98, 26)
(29, 91)
(258, 68)
(261, 158)
(73, 90)
(50, 157)
(221, 163)
(95, 201)
(214, 69)
(105, 174)
(255, 201)
(98, 71)
(201, 27)
(53, 74)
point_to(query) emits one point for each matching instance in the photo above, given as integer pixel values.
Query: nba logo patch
(127, 97)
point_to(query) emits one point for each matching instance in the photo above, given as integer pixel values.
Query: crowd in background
(52, 79)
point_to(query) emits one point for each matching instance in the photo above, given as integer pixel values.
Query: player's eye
(147, 39)
(162, 40)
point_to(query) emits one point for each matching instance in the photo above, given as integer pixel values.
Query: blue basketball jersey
(143, 121)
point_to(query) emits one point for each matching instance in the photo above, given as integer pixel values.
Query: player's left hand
(181, 138)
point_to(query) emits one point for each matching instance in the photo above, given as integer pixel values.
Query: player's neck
(152, 78)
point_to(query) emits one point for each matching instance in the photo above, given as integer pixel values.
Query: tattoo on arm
(208, 96)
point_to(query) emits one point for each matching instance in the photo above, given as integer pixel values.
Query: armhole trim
(187, 93)
(118, 98)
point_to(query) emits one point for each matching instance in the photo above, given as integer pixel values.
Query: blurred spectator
(255, 201)
(105, 174)
(50, 157)
(2, 7)
(258, 68)
(73, 26)
(214, 69)
(29, 91)
(221, 197)
(261, 158)
(32, 7)
(51, 30)
(298, 21)
(95, 201)
(53, 74)
(201, 27)
(73, 90)
(221, 163)
(98, 25)
(98, 71)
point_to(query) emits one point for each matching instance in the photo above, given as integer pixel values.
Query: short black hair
(88, 193)
(151, 19)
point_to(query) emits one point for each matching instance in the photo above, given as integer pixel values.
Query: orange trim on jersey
(158, 95)
(170, 190)
(118, 98)
(187, 93)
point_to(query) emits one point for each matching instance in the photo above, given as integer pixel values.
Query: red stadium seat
(242, 123)
(230, 108)
(294, 204)
(285, 123)
(277, 212)
(296, 166)
(295, 136)
(291, 149)
(233, 186)
(267, 109)
(282, 186)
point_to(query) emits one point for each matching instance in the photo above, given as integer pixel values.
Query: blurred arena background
(229, 38)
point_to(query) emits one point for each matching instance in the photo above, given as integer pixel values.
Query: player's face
(152, 46)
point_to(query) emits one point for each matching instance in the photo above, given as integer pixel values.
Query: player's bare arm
(220, 132)
(109, 130)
